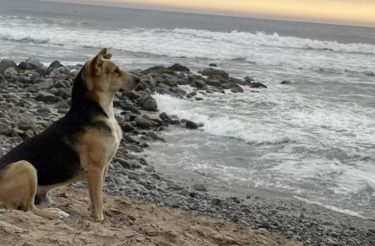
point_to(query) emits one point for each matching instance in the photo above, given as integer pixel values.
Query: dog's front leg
(95, 181)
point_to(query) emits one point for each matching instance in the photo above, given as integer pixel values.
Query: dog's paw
(58, 213)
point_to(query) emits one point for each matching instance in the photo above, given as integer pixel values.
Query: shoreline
(32, 96)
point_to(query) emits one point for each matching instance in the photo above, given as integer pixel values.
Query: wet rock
(249, 79)
(160, 69)
(132, 95)
(30, 64)
(235, 88)
(55, 64)
(215, 73)
(200, 84)
(148, 103)
(212, 65)
(191, 94)
(179, 68)
(286, 82)
(154, 136)
(257, 85)
(165, 117)
(214, 82)
(191, 125)
(144, 123)
(5, 64)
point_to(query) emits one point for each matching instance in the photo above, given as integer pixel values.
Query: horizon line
(224, 14)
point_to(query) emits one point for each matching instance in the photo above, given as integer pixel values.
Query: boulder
(213, 82)
(165, 117)
(191, 125)
(200, 84)
(5, 64)
(179, 68)
(286, 82)
(30, 64)
(215, 73)
(257, 85)
(160, 69)
(148, 103)
(55, 64)
(236, 88)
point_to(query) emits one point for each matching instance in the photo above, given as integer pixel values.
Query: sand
(126, 223)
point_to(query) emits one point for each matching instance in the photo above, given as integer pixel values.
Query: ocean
(313, 139)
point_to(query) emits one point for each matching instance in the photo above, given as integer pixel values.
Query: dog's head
(103, 75)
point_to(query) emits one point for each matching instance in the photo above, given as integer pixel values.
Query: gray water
(313, 138)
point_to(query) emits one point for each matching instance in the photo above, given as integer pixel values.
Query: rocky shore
(33, 95)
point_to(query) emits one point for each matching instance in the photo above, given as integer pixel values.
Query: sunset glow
(337, 11)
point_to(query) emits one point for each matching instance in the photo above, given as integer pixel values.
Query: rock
(191, 125)
(132, 95)
(46, 97)
(249, 79)
(179, 68)
(257, 85)
(214, 82)
(200, 84)
(25, 125)
(3, 82)
(286, 82)
(191, 94)
(30, 64)
(154, 136)
(217, 202)
(5, 64)
(148, 103)
(165, 117)
(144, 123)
(55, 64)
(235, 88)
(10, 72)
(5, 129)
(127, 164)
(215, 73)
(212, 65)
(44, 110)
(160, 69)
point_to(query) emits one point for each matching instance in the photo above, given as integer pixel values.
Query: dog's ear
(107, 56)
(97, 62)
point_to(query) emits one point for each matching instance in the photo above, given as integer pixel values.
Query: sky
(352, 12)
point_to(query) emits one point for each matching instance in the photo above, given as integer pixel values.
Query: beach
(34, 95)
(266, 124)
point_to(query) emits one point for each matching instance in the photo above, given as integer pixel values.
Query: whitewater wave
(331, 207)
(255, 48)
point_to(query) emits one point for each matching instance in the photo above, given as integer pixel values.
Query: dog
(79, 145)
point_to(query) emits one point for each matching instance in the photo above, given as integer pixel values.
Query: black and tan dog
(79, 145)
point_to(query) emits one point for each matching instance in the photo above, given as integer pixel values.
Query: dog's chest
(114, 138)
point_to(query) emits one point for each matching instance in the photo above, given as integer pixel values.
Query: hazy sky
(336, 11)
